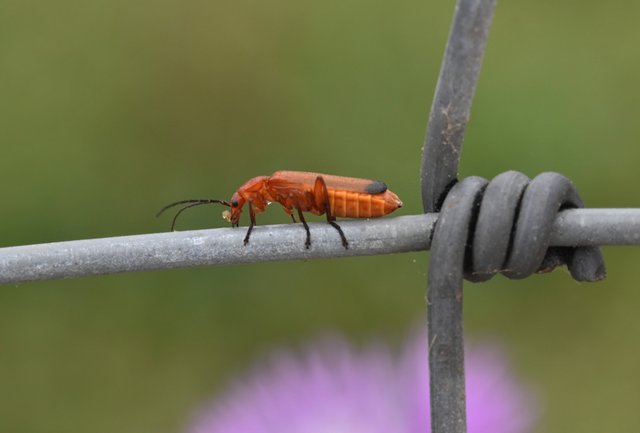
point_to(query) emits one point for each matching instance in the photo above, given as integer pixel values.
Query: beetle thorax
(256, 192)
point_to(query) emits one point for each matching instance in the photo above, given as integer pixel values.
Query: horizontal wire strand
(224, 246)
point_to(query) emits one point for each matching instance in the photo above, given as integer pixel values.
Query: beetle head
(235, 210)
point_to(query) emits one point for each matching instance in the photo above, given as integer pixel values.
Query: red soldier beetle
(334, 196)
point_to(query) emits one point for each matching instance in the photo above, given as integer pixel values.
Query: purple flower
(333, 388)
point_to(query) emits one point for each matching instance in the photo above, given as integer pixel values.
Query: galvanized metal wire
(451, 106)
(220, 247)
(448, 120)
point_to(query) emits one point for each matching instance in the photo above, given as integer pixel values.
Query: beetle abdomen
(360, 205)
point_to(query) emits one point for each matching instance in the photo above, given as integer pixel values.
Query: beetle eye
(234, 203)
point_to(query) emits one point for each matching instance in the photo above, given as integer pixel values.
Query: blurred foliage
(111, 109)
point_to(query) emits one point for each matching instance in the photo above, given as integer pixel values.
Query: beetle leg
(335, 225)
(307, 243)
(290, 213)
(322, 198)
(252, 216)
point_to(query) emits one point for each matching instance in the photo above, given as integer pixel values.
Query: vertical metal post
(439, 170)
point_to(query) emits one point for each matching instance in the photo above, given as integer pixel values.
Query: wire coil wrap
(485, 228)
(509, 224)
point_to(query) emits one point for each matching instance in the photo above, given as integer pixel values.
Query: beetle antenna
(191, 203)
(195, 202)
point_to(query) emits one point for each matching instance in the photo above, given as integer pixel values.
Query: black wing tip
(376, 187)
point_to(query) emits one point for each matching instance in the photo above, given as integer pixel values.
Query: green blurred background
(110, 109)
